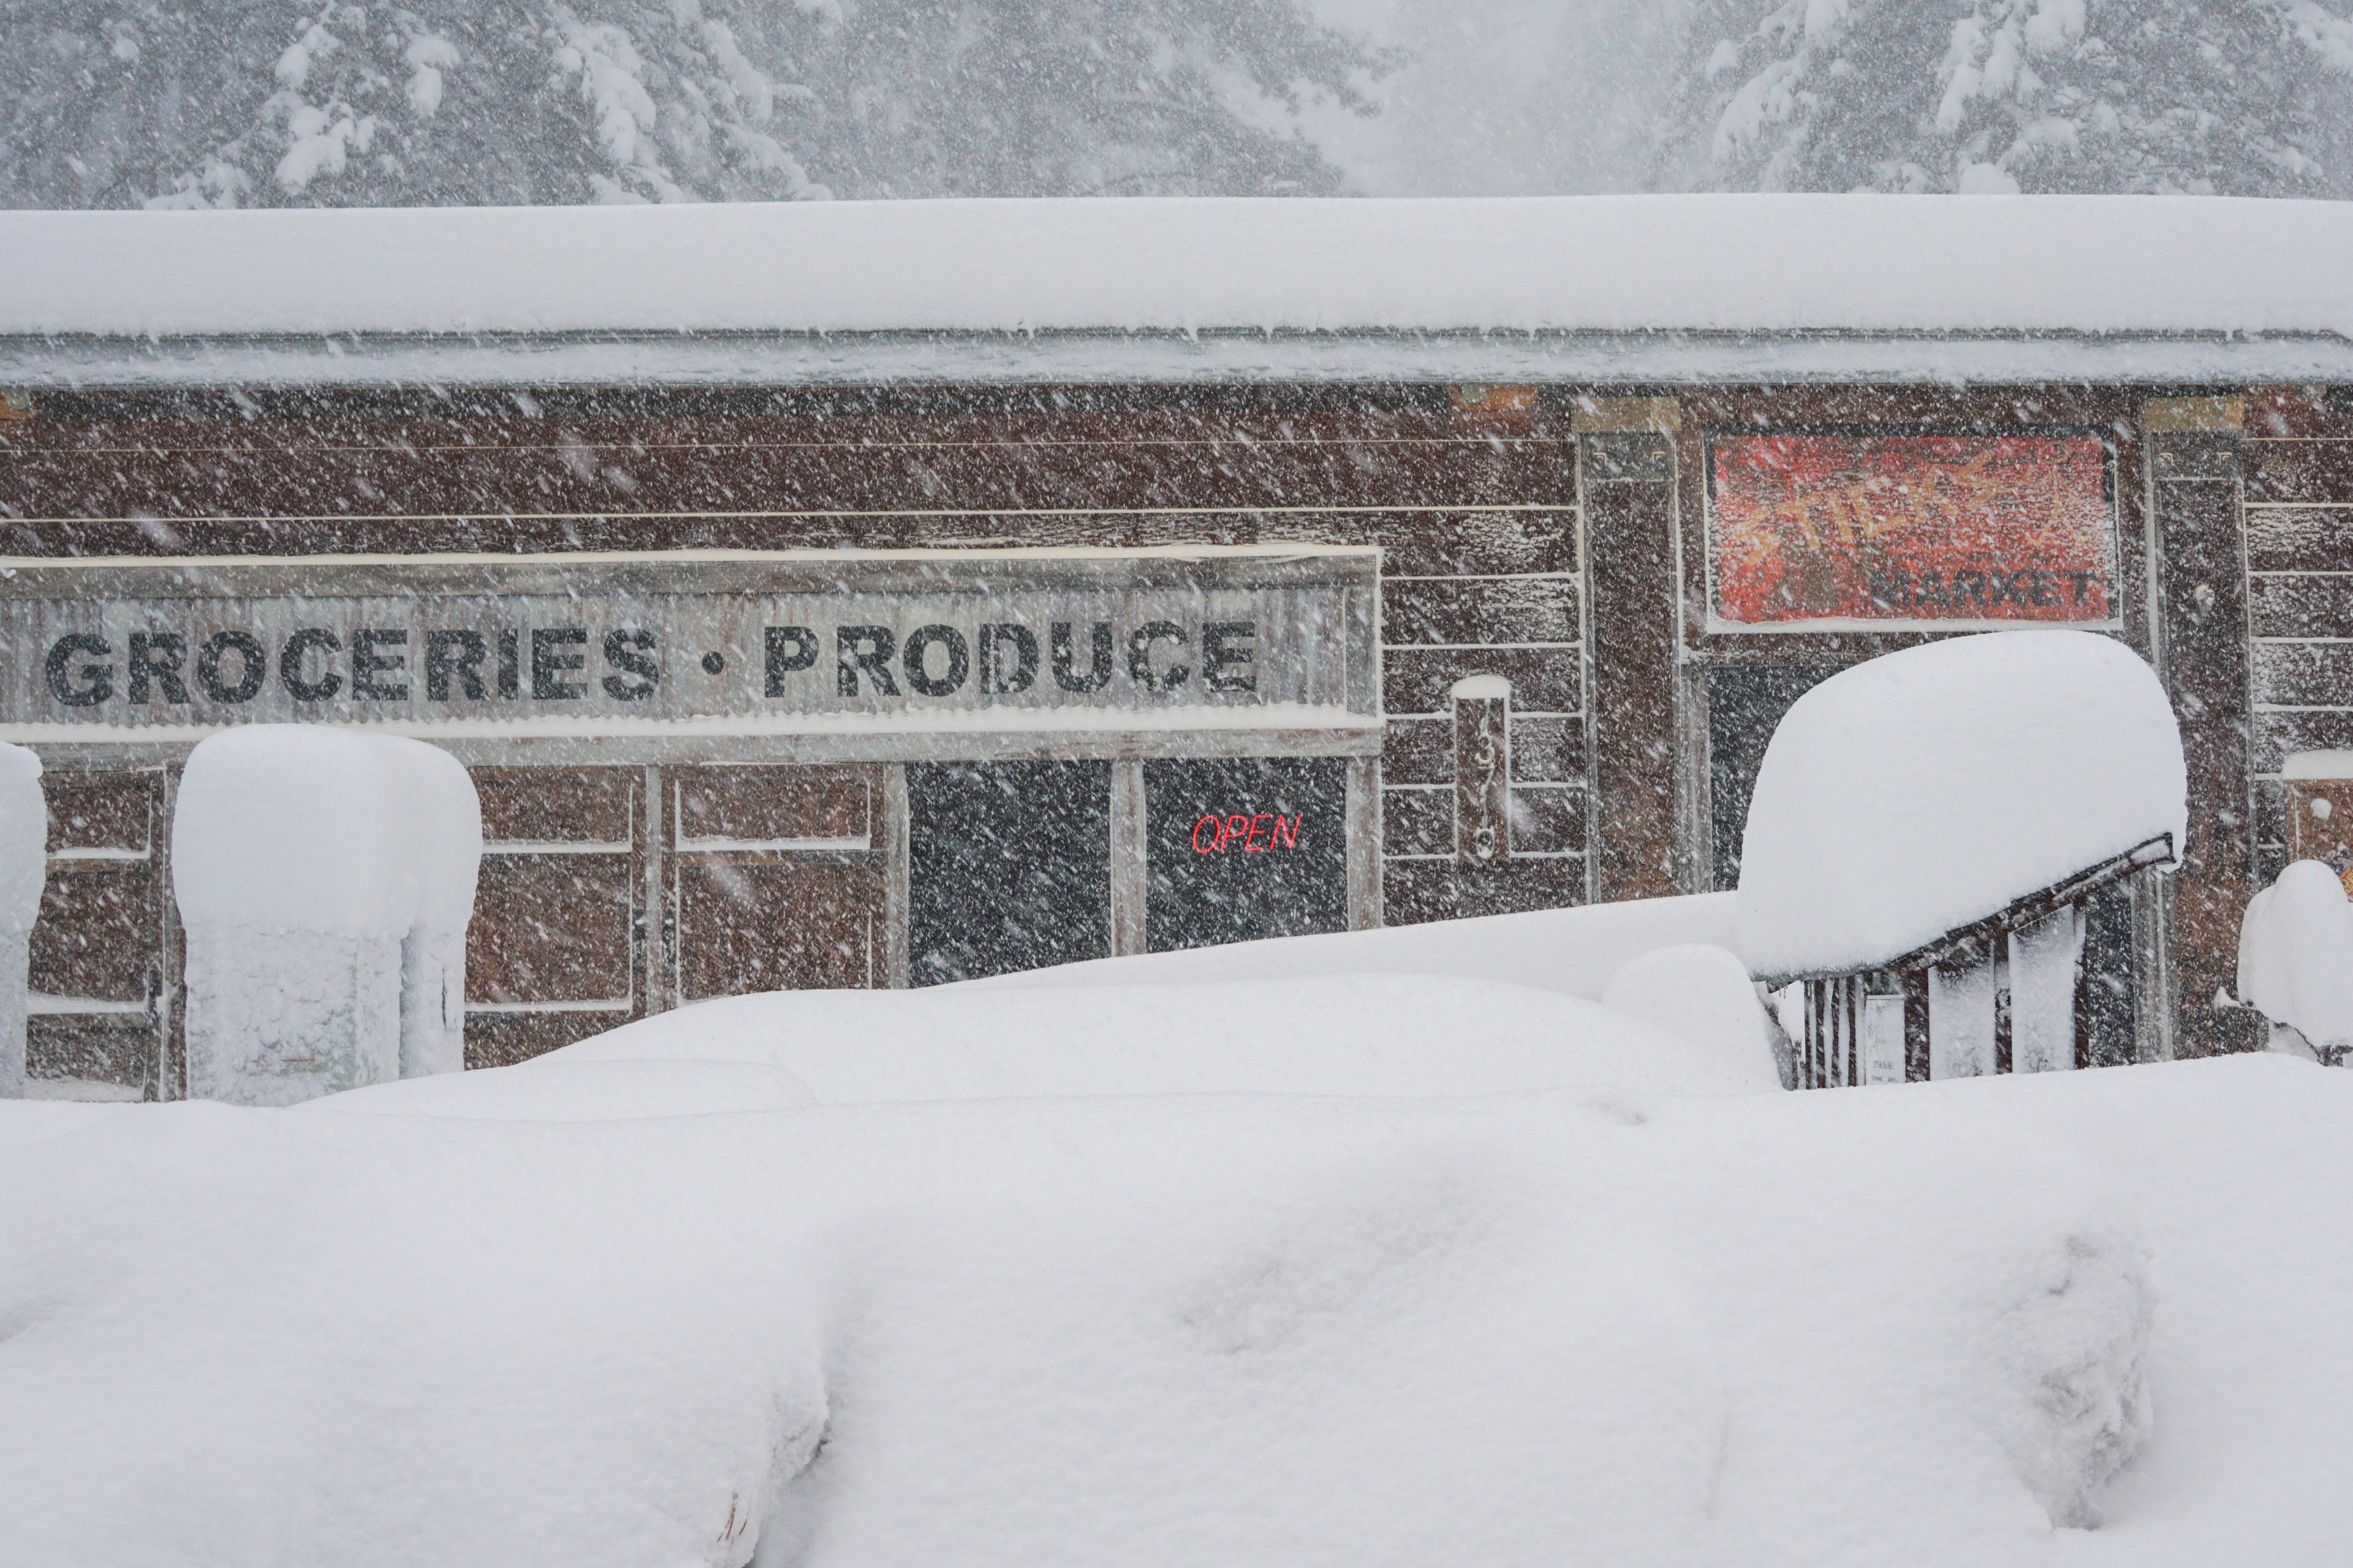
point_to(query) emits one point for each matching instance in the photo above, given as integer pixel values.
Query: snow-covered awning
(1972, 783)
(1702, 288)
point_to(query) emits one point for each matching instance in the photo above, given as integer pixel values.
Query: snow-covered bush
(1923, 791)
(23, 867)
(2296, 958)
(321, 875)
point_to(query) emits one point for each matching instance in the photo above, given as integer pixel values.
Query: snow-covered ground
(1114, 1275)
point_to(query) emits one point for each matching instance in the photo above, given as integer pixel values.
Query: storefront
(797, 661)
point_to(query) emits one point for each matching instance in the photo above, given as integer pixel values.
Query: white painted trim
(39, 1005)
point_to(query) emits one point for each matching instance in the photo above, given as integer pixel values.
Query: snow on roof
(2093, 268)
(1925, 790)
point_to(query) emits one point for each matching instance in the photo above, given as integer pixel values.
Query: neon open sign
(1213, 832)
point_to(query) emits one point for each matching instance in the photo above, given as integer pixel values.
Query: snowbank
(1925, 790)
(1357, 1034)
(1580, 264)
(324, 877)
(2296, 956)
(24, 871)
(582, 1090)
(1574, 950)
(1702, 994)
(1916, 1327)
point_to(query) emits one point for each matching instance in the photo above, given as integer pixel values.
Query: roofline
(94, 362)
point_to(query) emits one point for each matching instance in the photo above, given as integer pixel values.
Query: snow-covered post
(316, 870)
(23, 868)
(1482, 769)
(449, 836)
(2295, 959)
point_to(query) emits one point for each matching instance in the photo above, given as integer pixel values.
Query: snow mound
(1355, 1035)
(1252, 1331)
(1574, 950)
(1926, 789)
(1702, 994)
(2296, 955)
(296, 827)
(582, 1090)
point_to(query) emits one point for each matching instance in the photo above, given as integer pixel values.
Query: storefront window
(1244, 849)
(1744, 705)
(1008, 866)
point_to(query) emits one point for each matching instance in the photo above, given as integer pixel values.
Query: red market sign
(1910, 528)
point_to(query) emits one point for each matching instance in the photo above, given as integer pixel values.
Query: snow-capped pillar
(2197, 533)
(301, 864)
(24, 869)
(1482, 770)
(448, 833)
(1626, 463)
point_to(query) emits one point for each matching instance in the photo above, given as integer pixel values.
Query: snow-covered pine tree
(275, 102)
(222, 102)
(1085, 96)
(2234, 96)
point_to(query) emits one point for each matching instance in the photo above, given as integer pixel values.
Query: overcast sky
(1507, 97)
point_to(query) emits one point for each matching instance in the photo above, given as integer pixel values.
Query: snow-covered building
(883, 594)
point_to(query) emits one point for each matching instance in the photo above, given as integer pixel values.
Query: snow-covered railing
(1937, 1007)
(1955, 945)
(1928, 833)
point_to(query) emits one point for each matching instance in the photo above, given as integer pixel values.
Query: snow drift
(1352, 1034)
(1921, 1326)
(23, 872)
(1927, 789)
(1575, 950)
(325, 879)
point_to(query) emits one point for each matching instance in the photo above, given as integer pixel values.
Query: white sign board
(577, 643)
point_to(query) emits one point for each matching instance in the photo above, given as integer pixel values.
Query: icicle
(1961, 1019)
(1883, 1039)
(2043, 963)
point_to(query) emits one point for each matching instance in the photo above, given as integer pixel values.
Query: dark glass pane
(1245, 848)
(1008, 866)
(1743, 708)
(2104, 995)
